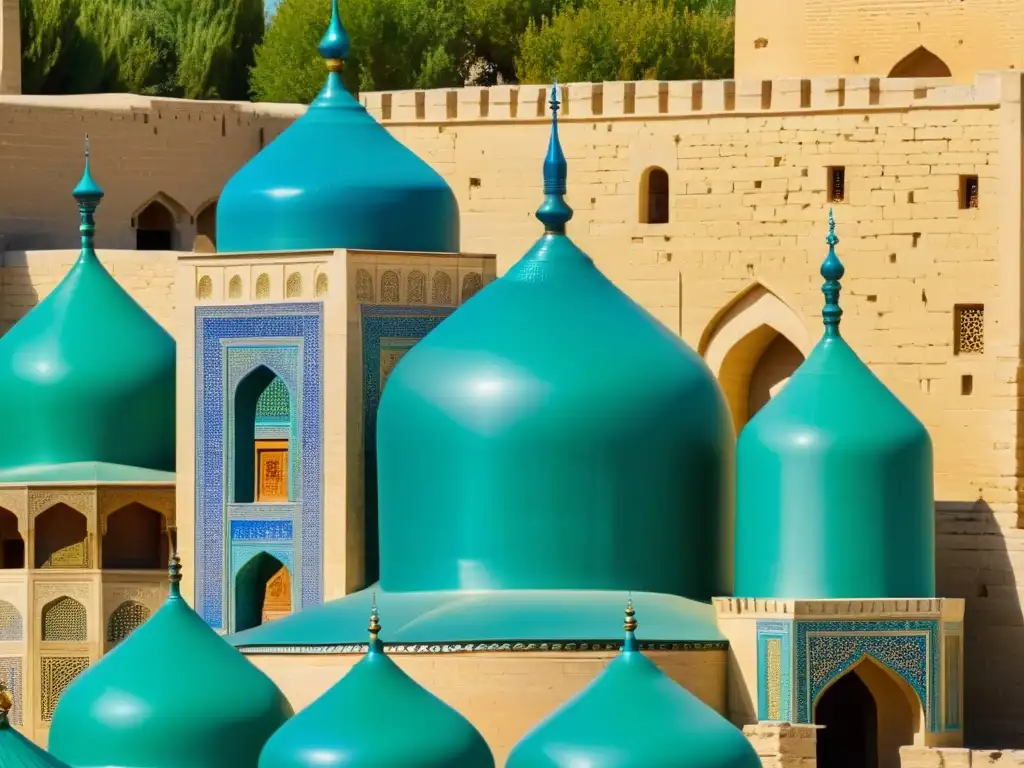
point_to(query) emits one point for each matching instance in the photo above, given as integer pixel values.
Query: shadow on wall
(975, 552)
(18, 293)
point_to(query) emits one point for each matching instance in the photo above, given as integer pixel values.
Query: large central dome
(337, 179)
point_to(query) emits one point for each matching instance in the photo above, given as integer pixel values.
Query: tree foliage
(184, 48)
(604, 40)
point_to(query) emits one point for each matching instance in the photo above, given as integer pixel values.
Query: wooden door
(271, 470)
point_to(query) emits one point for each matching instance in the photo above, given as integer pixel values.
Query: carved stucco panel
(80, 499)
(150, 595)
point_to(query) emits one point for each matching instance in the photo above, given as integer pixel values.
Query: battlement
(685, 98)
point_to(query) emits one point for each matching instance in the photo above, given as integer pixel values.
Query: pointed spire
(832, 270)
(630, 626)
(554, 212)
(376, 646)
(335, 43)
(88, 194)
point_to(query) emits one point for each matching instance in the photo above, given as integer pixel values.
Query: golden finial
(630, 623)
(335, 65)
(374, 619)
(6, 701)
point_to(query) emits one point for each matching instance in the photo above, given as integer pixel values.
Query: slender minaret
(10, 47)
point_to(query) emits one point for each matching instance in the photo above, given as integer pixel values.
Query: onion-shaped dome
(562, 419)
(87, 379)
(835, 493)
(377, 716)
(634, 716)
(172, 694)
(15, 750)
(336, 178)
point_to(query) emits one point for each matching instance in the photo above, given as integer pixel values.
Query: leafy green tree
(606, 40)
(396, 44)
(495, 28)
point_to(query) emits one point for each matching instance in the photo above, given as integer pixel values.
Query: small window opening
(654, 197)
(969, 329)
(966, 384)
(837, 184)
(968, 192)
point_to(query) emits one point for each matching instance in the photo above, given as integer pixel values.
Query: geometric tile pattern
(774, 671)
(230, 342)
(825, 650)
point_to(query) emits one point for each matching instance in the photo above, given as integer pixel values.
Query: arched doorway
(263, 430)
(920, 63)
(777, 363)
(867, 714)
(154, 228)
(262, 592)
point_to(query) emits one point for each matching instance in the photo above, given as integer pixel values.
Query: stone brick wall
(782, 745)
(924, 757)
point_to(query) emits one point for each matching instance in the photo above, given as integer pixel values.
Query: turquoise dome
(834, 481)
(377, 717)
(336, 178)
(634, 716)
(18, 752)
(555, 422)
(87, 379)
(172, 694)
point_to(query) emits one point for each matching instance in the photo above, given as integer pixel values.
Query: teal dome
(634, 716)
(87, 379)
(336, 178)
(172, 694)
(563, 422)
(18, 752)
(834, 481)
(377, 717)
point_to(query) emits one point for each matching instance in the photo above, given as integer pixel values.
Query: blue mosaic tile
(825, 650)
(266, 331)
(261, 530)
(782, 632)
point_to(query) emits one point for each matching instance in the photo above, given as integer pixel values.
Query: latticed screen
(10, 680)
(442, 289)
(55, 674)
(64, 621)
(969, 330)
(125, 619)
(389, 287)
(417, 293)
(11, 627)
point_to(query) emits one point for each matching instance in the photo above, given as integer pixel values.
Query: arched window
(321, 285)
(920, 63)
(205, 288)
(293, 286)
(134, 539)
(263, 429)
(206, 223)
(417, 288)
(154, 228)
(64, 621)
(442, 288)
(263, 286)
(12, 628)
(235, 287)
(61, 538)
(654, 196)
(12, 545)
(125, 619)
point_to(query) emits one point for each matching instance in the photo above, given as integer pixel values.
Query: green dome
(87, 379)
(172, 694)
(563, 420)
(336, 178)
(634, 716)
(834, 482)
(377, 717)
(18, 752)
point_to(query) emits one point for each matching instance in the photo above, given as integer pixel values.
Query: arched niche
(867, 712)
(920, 63)
(262, 591)
(752, 346)
(61, 538)
(134, 538)
(655, 198)
(12, 625)
(263, 429)
(12, 543)
(125, 619)
(156, 224)
(64, 620)
(206, 227)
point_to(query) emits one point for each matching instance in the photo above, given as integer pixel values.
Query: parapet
(689, 98)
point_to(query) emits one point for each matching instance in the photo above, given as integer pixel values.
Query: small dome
(87, 379)
(837, 469)
(634, 716)
(354, 724)
(565, 420)
(336, 178)
(15, 750)
(214, 709)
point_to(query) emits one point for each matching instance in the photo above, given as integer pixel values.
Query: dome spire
(630, 625)
(334, 45)
(88, 195)
(832, 270)
(554, 212)
(174, 565)
(376, 646)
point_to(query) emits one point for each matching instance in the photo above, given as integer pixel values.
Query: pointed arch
(64, 620)
(262, 591)
(260, 463)
(61, 538)
(753, 343)
(920, 62)
(134, 538)
(157, 223)
(126, 618)
(206, 227)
